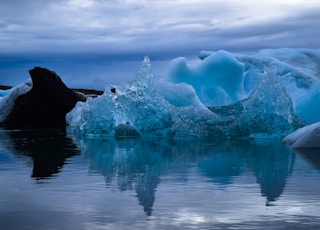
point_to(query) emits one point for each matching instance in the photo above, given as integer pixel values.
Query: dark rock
(113, 90)
(126, 131)
(89, 92)
(46, 104)
(5, 87)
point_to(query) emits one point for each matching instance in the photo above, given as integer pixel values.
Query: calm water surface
(51, 180)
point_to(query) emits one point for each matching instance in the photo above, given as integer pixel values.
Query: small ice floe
(306, 137)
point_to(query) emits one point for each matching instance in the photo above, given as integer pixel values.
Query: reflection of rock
(46, 104)
(48, 149)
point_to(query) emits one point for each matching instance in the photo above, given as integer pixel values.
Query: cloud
(61, 34)
(137, 26)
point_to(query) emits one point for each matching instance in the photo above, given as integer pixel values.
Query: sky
(91, 43)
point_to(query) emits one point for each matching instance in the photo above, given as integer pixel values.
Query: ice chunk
(267, 113)
(136, 102)
(7, 102)
(269, 110)
(73, 118)
(217, 80)
(298, 69)
(97, 117)
(306, 137)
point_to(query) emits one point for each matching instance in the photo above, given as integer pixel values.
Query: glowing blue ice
(136, 103)
(217, 80)
(158, 108)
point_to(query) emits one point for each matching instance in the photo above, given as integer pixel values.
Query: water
(52, 180)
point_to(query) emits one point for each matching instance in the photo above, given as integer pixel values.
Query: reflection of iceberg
(139, 164)
(271, 163)
(222, 167)
(146, 184)
(128, 165)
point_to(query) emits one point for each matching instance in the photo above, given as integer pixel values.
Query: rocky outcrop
(46, 104)
(126, 131)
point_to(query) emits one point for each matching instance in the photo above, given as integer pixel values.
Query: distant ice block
(306, 137)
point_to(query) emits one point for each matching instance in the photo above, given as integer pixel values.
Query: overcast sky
(164, 29)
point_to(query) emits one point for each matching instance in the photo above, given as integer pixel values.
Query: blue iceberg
(221, 96)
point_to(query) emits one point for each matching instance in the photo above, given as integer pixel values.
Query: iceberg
(221, 78)
(150, 107)
(269, 110)
(136, 103)
(140, 106)
(268, 94)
